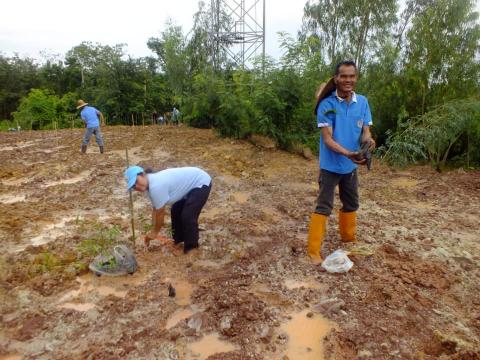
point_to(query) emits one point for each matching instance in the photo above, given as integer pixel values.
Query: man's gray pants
(348, 189)
(89, 132)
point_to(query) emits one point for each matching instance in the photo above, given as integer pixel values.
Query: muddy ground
(249, 293)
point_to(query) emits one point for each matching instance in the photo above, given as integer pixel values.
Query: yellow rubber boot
(347, 222)
(316, 234)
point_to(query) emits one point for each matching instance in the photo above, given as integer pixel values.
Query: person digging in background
(185, 188)
(91, 117)
(344, 119)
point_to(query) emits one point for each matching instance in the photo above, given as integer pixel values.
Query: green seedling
(146, 224)
(45, 262)
(101, 242)
(170, 232)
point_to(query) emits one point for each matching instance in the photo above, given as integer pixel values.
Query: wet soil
(248, 292)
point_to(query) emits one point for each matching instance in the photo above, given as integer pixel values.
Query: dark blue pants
(185, 213)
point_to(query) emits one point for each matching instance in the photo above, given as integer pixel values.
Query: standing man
(154, 117)
(185, 188)
(344, 119)
(91, 117)
(175, 116)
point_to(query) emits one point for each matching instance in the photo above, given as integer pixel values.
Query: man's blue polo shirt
(347, 121)
(90, 115)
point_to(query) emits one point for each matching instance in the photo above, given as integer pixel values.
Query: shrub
(452, 129)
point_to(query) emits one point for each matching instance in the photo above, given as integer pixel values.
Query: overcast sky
(28, 27)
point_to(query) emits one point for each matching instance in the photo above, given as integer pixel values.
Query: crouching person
(186, 189)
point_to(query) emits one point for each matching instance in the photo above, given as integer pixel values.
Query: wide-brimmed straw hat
(81, 103)
(324, 91)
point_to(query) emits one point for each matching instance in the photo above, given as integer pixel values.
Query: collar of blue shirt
(354, 97)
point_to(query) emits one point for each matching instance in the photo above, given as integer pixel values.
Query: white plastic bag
(337, 262)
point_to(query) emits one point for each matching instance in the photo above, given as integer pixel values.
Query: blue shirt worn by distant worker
(347, 121)
(90, 115)
(171, 185)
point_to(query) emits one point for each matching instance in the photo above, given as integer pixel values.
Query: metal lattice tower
(237, 30)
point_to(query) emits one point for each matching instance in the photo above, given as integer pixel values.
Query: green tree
(17, 77)
(37, 110)
(382, 82)
(85, 57)
(172, 55)
(442, 54)
(118, 85)
(159, 96)
(352, 29)
(436, 135)
(199, 46)
(201, 107)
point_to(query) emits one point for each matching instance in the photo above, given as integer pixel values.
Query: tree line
(418, 65)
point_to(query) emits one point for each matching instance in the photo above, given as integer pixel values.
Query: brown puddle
(209, 345)
(51, 231)
(305, 336)
(11, 357)
(178, 316)
(104, 286)
(183, 291)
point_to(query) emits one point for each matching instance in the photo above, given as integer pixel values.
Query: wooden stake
(55, 128)
(132, 218)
